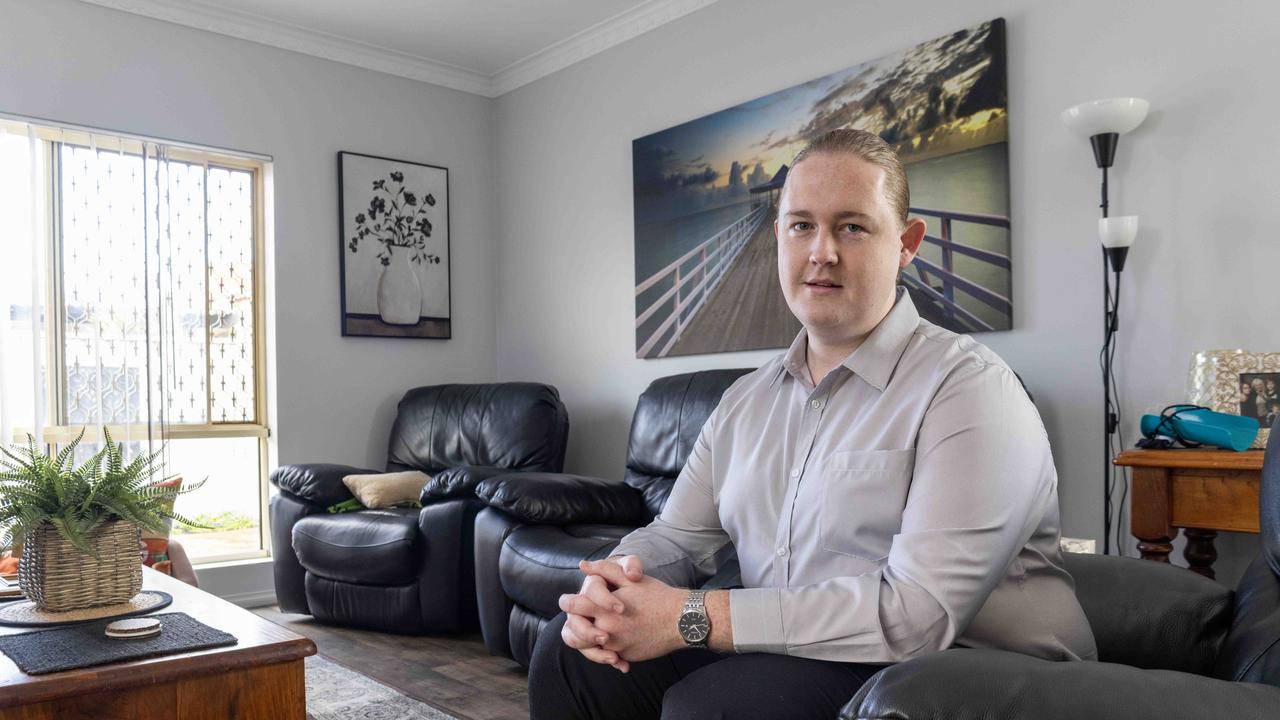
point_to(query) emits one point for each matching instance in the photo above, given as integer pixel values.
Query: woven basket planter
(58, 577)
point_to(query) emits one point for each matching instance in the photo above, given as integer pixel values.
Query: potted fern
(79, 526)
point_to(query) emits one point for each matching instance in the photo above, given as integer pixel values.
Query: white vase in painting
(399, 291)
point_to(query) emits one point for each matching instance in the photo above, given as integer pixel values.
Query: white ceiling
(484, 36)
(487, 47)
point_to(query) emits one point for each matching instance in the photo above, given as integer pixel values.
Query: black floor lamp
(1103, 122)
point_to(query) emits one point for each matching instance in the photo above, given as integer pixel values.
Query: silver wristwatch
(694, 625)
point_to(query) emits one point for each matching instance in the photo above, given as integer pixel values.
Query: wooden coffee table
(259, 677)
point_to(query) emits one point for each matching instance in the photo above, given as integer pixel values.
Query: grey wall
(335, 396)
(1200, 172)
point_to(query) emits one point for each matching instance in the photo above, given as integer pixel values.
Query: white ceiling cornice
(255, 28)
(596, 39)
(266, 31)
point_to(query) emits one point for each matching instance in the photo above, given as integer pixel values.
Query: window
(135, 302)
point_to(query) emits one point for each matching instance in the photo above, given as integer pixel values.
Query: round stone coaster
(142, 627)
(25, 613)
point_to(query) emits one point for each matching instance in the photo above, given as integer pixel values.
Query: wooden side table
(1200, 491)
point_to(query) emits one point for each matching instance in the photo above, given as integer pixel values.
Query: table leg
(1200, 552)
(1156, 549)
(1149, 513)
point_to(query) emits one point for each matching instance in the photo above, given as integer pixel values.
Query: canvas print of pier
(706, 194)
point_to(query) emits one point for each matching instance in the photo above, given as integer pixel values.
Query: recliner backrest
(516, 425)
(1251, 652)
(668, 418)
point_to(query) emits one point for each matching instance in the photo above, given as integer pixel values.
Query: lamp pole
(1102, 122)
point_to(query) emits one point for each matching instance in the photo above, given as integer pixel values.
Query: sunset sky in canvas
(940, 97)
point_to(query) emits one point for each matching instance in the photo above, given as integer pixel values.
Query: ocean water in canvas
(665, 241)
(973, 181)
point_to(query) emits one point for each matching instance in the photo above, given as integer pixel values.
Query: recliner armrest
(458, 482)
(968, 684)
(562, 499)
(1151, 615)
(319, 483)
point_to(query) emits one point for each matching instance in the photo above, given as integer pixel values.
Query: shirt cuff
(756, 614)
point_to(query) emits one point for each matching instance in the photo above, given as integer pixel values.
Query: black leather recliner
(1171, 644)
(539, 526)
(410, 570)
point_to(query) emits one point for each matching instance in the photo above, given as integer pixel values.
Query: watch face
(694, 627)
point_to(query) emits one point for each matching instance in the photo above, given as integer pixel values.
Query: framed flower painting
(394, 247)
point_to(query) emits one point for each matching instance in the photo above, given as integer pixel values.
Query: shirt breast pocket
(863, 496)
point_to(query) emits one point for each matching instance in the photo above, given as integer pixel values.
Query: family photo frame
(1238, 382)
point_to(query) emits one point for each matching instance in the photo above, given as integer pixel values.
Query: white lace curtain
(93, 232)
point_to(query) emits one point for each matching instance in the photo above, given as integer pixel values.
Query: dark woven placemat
(80, 646)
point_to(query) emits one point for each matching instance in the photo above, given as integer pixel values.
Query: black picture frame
(410, 192)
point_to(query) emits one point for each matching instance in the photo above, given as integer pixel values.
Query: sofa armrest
(318, 483)
(965, 684)
(1151, 615)
(562, 499)
(458, 482)
(491, 530)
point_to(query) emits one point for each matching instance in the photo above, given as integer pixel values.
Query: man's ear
(912, 236)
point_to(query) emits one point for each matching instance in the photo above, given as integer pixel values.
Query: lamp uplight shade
(1117, 232)
(1099, 117)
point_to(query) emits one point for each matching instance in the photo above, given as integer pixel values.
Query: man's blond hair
(870, 148)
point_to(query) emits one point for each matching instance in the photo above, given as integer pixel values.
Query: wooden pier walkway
(747, 310)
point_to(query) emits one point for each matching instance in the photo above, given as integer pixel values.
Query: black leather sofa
(1171, 645)
(410, 570)
(539, 526)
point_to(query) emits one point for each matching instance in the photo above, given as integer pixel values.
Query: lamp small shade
(1118, 232)
(1098, 117)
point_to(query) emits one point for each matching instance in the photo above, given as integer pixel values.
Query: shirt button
(816, 404)
(795, 473)
(782, 552)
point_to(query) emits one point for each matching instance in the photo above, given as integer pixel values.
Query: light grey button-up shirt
(906, 503)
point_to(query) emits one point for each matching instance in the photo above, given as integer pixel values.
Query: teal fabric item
(1202, 425)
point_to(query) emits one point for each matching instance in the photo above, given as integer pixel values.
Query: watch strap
(696, 603)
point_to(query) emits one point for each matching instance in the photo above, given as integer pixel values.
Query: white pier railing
(679, 304)
(945, 296)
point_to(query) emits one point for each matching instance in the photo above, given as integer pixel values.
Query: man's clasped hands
(621, 615)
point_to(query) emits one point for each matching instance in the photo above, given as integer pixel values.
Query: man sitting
(887, 485)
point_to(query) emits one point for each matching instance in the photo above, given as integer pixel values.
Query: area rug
(338, 693)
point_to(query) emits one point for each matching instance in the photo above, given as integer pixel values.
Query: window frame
(56, 430)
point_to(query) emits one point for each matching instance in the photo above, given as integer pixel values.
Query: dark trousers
(686, 685)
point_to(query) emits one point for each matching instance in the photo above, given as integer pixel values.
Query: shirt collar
(794, 360)
(878, 355)
(876, 358)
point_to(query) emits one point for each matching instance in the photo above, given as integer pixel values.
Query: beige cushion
(385, 490)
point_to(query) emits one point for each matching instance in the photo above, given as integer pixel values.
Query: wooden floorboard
(747, 310)
(455, 674)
